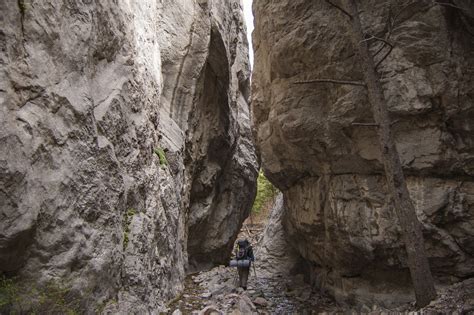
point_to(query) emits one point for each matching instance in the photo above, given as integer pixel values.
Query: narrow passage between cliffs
(269, 290)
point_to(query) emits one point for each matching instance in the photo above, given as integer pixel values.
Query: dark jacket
(249, 251)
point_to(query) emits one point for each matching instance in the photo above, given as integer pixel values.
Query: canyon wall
(338, 213)
(276, 256)
(125, 145)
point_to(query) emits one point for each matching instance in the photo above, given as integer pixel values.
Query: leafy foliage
(162, 156)
(265, 192)
(22, 7)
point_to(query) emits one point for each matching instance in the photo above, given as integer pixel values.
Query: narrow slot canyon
(141, 141)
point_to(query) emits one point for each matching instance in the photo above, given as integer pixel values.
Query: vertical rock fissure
(209, 149)
(177, 109)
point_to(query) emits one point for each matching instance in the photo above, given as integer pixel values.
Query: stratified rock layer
(339, 215)
(92, 93)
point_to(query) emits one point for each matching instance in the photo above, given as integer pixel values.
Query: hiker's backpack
(242, 250)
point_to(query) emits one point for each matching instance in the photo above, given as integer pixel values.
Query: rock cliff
(125, 145)
(338, 214)
(276, 256)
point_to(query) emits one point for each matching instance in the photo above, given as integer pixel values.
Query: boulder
(245, 305)
(260, 301)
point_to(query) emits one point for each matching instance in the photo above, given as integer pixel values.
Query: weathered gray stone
(245, 305)
(339, 215)
(275, 255)
(260, 301)
(91, 92)
(210, 310)
(206, 295)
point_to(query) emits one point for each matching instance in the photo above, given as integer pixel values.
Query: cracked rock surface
(125, 145)
(339, 216)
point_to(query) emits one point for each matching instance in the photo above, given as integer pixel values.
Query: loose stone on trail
(266, 293)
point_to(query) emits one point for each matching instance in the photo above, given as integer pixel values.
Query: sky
(249, 22)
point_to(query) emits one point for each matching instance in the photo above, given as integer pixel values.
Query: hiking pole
(236, 279)
(254, 270)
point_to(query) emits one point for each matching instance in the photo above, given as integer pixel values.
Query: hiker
(244, 252)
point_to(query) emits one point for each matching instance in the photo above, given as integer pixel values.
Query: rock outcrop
(125, 145)
(339, 215)
(276, 256)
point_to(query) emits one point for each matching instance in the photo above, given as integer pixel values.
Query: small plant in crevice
(162, 157)
(22, 7)
(127, 219)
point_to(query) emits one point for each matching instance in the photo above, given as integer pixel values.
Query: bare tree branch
(447, 4)
(365, 124)
(378, 51)
(462, 16)
(384, 57)
(385, 42)
(339, 8)
(343, 82)
(403, 10)
(381, 39)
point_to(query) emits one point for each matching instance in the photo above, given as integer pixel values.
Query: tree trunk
(411, 227)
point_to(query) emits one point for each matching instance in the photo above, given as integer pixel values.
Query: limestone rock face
(276, 256)
(125, 144)
(339, 215)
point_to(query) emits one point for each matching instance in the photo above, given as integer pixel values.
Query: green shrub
(8, 293)
(24, 297)
(162, 157)
(265, 192)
